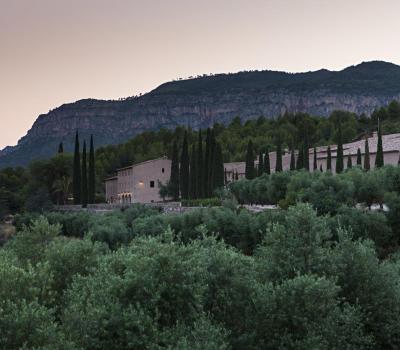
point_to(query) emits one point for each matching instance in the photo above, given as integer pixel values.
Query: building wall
(111, 190)
(146, 177)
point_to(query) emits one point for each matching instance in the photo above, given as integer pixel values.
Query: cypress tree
(200, 168)
(306, 154)
(349, 162)
(292, 160)
(339, 153)
(61, 148)
(249, 172)
(367, 164)
(76, 176)
(237, 176)
(278, 165)
(315, 167)
(300, 159)
(206, 170)
(359, 158)
(193, 174)
(211, 169)
(329, 159)
(184, 169)
(92, 174)
(379, 151)
(320, 168)
(267, 164)
(218, 168)
(84, 179)
(174, 179)
(260, 164)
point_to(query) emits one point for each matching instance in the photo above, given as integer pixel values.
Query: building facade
(138, 183)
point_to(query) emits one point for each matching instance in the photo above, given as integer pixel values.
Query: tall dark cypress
(359, 158)
(193, 174)
(339, 152)
(292, 160)
(260, 164)
(367, 164)
(76, 176)
(306, 154)
(206, 170)
(61, 148)
(249, 171)
(211, 185)
(278, 164)
(315, 165)
(200, 168)
(92, 174)
(300, 158)
(184, 169)
(329, 159)
(174, 179)
(84, 179)
(218, 168)
(267, 165)
(349, 162)
(379, 151)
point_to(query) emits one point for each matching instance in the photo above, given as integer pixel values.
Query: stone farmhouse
(391, 154)
(139, 183)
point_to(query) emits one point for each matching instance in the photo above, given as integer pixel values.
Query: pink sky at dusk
(58, 51)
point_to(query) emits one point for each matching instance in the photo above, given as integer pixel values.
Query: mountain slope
(200, 102)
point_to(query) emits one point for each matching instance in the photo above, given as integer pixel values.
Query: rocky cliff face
(200, 103)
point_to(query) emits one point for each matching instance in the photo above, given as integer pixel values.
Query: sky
(58, 51)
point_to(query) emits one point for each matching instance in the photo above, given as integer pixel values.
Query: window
(151, 183)
(162, 170)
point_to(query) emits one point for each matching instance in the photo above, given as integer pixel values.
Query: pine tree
(76, 176)
(359, 158)
(61, 148)
(92, 174)
(84, 179)
(315, 167)
(292, 160)
(249, 172)
(278, 165)
(267, 164)
(300, 159)
(339, 153)
(193, 174)
(329, 159)
(200, 168)
(174, 179)
(260, 164)
(379, 151)
(206, 170)
(184, 169)
(349, 162)
(367, 164)
(218, 168)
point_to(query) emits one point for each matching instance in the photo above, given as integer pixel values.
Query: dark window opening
(162, 170)
(151, 183)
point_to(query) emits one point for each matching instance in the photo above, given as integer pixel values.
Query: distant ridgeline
(201, 102)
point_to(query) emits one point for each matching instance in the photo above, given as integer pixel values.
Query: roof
(144, 162)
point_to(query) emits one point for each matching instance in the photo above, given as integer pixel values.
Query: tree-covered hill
(200, 102)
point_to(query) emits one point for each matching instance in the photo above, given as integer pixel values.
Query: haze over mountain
(202, 101)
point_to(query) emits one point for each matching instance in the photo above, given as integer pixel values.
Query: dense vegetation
(213, 278)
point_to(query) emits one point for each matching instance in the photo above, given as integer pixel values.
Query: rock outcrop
(201, 102)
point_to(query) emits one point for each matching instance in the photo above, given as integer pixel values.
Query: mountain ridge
(201, 101)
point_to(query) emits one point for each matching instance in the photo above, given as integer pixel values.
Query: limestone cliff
(200, 102)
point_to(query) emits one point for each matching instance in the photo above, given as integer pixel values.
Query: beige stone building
(391, 155)
(138, 183)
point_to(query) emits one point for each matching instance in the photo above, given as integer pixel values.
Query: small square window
(151, 183)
